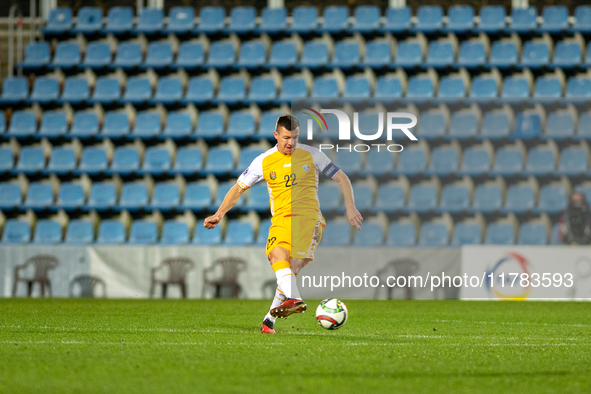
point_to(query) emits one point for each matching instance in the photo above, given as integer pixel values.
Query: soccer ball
(331, 313)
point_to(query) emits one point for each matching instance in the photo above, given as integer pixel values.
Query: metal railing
(15, 16)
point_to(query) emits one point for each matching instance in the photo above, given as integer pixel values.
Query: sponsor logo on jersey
(306, 167)
(272, 175)
(287, 165)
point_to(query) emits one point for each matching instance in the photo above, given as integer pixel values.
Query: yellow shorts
(301, 242)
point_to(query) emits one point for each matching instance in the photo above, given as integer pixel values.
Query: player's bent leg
(294, 304)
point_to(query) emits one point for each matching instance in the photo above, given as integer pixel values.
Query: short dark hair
(288, 121)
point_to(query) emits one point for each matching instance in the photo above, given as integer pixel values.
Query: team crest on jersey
(246, 171)
(306, 167)
(273, 175)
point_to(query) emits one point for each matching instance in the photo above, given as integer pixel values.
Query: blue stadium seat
(463, 125)
(535, 54)
(553, 199)
(89, 20)
(578, 87)
(475, 161)
(472, 54)
(466, 234)
(304, 19)
(67, 55)
(329, 196)
(262, 90)
(528, 126)
(411, 161)
(221, 55)
(444, 161)
(433, 235)
(102, 196)
(273, 20)
(220, 161)
(336, 233)
(283, 55)
(388, 86)
(197, 197)
(548, 87)
(371, 236)
(156, 161)
(500, 234)
(53, 124)
(76, 91)
(61, 161)
(346, 55)
(454, 199)
(363, 197)
(181, 20)
(39, 196)
(178, 125)
(484, 87)
(10, 196)
(567, 54)
(366, 19)
(523, 20)
(540, 161)
(30, 160)
(432, 125)
(125, 161)
(150, 21)
(440, 54)
(36, 56)
(503, 54)
(495, 125)
(335, 19)
(23, 124)
(516, 87)
(582, 19)
(111, 232)
(263, 232)
(16, 232)
(210, 125)
(460, 18)
(45, 90)
(2, 123)
(119, 20)
(242, 20)
(143, 232)
(573, 162)
(190, 56)
(14, 90)
(532, 234)
(314, 55)
(488, 198)
(241, 125)
(420, 87)
(560, 125)
(79, 232)
(232, 90)
(134, 196)
(422, 199)
(378, 163)
(239, 233)
(357, 86)
(409, 54)
(168, 91)
(59, 21)
(70, 196)
(554, 19)
(199, 91)
(252, 55)
(293, 87)
(223, 189)
(93, 161)
(115, 125)
(267, 124)
(398, 19)
(128, 56)
(207, 237)
(159, 55)
(390, 198)
(174, 233)
(378, 54)
(85, 125)
(508, 162)
(520, 199)
(429, 19)
(401, 234)
(6, 159)
(47, 232)
(211, 20)
(258, 198)
(325, 87)
(188, 161)
(554, 236)
(492, 18)
(107, 90)
(147, 125)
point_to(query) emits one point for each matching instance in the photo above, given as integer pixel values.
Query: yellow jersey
(292, 180)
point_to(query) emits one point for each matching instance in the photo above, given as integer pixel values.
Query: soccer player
(291, 172)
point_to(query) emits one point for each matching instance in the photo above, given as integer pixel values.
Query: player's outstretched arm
(230, 200)
(353, 214)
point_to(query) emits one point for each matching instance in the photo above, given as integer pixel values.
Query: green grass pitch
(172, 346)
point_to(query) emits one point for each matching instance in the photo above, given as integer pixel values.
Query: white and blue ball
(331, 313)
